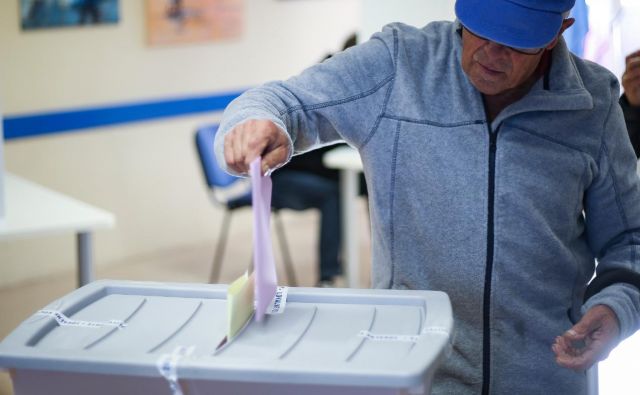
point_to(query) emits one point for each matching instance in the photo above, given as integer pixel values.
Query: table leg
(592, 380)
(349, 196)
(85, 265)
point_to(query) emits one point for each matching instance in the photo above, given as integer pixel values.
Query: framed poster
(192, 21)
(42, 14)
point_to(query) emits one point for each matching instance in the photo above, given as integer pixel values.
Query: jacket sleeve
(612, 212)
(341, 98)
(632, 119)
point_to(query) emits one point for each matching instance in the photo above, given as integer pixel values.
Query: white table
(347, 160)
(33, 210)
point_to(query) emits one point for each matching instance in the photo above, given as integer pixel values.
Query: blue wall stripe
(37, 124)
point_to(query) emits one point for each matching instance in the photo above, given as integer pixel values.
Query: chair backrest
(230, 191)
(215, 177)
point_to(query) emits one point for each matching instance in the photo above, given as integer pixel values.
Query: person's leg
(330, 237)
(300, 191)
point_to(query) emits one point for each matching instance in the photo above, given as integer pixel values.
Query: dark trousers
(299, 190)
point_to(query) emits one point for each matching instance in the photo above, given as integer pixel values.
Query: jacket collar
(561, 89)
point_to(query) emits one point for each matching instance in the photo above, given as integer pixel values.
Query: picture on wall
(41, 14)
(191, 21)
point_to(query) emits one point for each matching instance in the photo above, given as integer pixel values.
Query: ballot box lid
(386, 338)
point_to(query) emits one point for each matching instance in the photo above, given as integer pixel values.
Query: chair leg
(220, 246)
(288, 266)
(250, 267)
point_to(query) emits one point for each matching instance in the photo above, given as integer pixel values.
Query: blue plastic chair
(232, 193)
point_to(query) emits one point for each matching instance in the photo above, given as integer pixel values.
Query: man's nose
(495, 49)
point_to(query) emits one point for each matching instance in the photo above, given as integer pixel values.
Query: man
(630, 101)
(498, 169)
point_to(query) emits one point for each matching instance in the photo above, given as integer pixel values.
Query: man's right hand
(631, 79)
(253, 138)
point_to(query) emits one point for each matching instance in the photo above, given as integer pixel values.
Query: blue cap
(514, 23)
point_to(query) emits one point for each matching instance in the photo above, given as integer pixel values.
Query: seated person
(305, 182)
(630, 100)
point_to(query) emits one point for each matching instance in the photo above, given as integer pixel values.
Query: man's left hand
(589, 341)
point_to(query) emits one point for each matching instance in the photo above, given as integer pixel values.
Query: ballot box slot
(178, 330)
(394, 333)
(304, 332)
(114, 330)
(70, 310)
(361, 340)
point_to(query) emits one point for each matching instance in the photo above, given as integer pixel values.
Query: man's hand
(589, 341)
(631, 79)
(254, 138)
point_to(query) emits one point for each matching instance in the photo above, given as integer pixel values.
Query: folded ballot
(255, 294)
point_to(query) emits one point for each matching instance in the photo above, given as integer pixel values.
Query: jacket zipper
(486, 304)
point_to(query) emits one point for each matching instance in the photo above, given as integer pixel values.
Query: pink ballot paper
(264, 266)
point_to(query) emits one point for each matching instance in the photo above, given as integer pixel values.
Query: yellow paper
(239, 303)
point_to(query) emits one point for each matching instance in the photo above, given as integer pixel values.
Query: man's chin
(489, 88)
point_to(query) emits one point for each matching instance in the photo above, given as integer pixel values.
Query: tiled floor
(188, 264)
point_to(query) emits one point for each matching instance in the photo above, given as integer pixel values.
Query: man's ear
(567, 23)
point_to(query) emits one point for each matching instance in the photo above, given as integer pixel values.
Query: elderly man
(499, 171)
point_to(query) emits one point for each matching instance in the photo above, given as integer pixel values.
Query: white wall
(614, 32)
(146, 173)
(58, 68)
(377, 13)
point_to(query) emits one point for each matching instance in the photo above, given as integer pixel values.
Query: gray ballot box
(124, 337)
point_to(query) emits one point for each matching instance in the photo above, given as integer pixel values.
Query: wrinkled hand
(254, 138)
(589, 341)
(631, 78)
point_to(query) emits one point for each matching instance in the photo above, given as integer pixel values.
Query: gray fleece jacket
(508, 217)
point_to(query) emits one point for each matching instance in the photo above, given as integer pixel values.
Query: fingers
(254, 138)
(273, 159)
(632, 71)
(233, 151)
(589, 341)
(574, 351)
(631, 79)
(632, 55)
